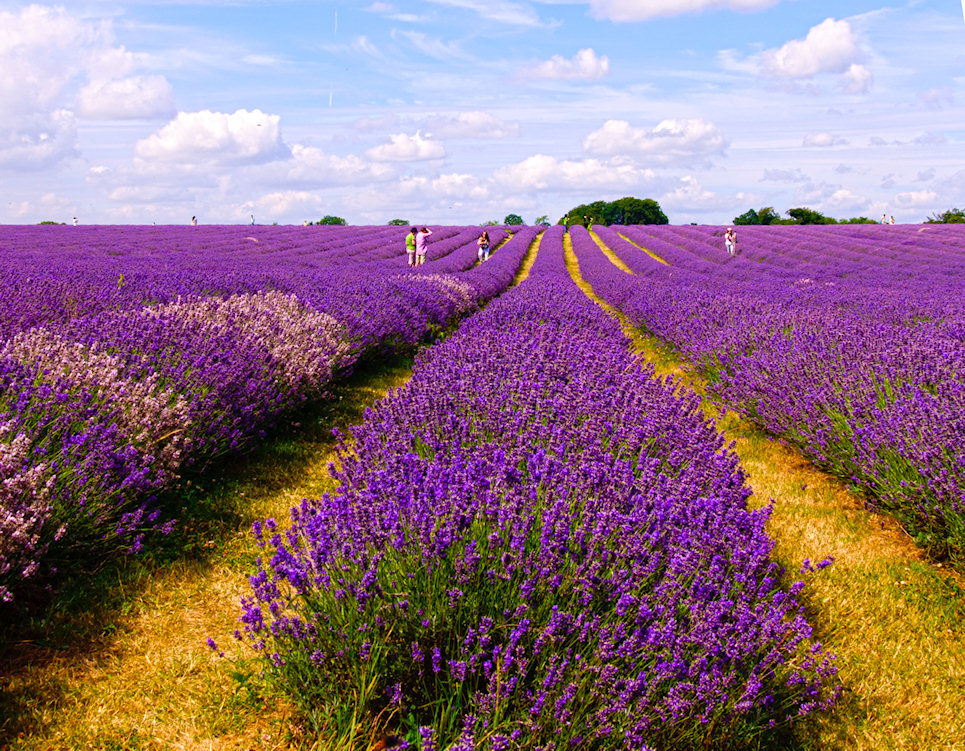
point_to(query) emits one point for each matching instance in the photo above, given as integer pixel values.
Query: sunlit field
(610, 488)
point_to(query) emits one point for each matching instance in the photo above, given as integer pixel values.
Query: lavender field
(131, 355)
(536, 542)
(848, 342)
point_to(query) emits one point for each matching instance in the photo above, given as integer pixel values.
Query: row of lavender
(132, 354)
(51, 275)
(849, 343)
(535, 543)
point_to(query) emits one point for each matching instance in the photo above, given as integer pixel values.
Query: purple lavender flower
(570, 533)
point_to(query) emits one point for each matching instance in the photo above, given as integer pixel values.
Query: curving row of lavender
(128, 354)
(535, 543)
(847, 341)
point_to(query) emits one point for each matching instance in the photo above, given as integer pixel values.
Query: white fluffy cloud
(644, 10)
(822, 140)
(916, 199)
(831, 47)
(857, 79)
(41, 53)
(451, 186)
(845, 200)
(584, 65)
(474, 124)
(131, 97)
(38, 141)
(404, 148)
(671, 142)
(285, 203)
(146, 193)
(311, 165)
(53, 66)
(690, 194)
(205, 137)
(541, 172)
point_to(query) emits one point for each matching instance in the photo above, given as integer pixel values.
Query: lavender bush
(130, 355)
(535, 544)
(848, 342)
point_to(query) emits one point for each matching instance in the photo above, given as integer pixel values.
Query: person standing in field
(194, 221)
(483, 243)
(420, 245)
(410, 246)
(730, 241)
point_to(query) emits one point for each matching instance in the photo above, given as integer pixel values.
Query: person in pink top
(420, 245)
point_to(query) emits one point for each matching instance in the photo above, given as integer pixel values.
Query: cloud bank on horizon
(463, 111)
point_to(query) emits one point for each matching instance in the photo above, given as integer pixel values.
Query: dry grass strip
(528, 260)
(650, 253)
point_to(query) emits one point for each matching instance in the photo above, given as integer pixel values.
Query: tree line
(804, 215)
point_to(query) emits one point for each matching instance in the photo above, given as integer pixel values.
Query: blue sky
(463, 111)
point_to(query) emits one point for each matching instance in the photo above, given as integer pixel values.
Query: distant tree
(542, 221)
(49, 221)
(490, 223)
(767, 215)
(809, 216)
(513, 219)
(398, 222)
(331, 220)
(587, 214)
(949, 216)
(627, 210)
(858, 220)
(764, 215)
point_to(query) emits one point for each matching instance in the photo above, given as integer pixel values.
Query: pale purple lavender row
(535, 543)
(848, 342)
(99, 412)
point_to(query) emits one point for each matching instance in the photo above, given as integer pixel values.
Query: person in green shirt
(410, 246)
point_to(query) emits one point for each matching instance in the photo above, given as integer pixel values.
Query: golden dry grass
(528, 260)
(649, 252)
(614, 259)
(895, 621)
(146, 679)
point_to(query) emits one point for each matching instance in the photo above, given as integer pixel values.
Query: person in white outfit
(730, 241)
